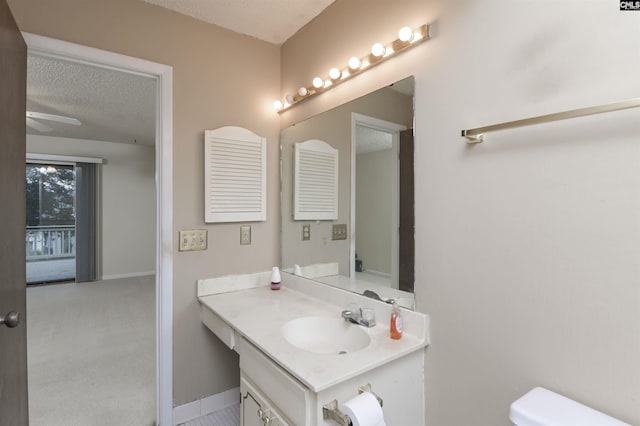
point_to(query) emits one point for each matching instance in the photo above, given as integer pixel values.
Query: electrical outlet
(193, 239)
(306, 232)
(245, 235)
(339, 232)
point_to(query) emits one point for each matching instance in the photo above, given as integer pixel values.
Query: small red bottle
(395, 328)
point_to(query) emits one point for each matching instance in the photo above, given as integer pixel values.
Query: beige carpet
(91, 353)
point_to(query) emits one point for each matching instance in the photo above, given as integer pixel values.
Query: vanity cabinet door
(251, 411)
(255, 410)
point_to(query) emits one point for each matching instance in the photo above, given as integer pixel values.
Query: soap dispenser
(275, 278)
(395, 327)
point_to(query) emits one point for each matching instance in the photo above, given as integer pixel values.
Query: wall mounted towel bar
(477, 135)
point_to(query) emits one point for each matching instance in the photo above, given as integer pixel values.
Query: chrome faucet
(366, 317)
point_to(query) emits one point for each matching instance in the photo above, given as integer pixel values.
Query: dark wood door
(13, 340)
(406, 245)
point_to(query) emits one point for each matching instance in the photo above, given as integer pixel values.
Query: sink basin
(325, 335)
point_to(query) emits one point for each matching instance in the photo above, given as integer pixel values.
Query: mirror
(370, 246)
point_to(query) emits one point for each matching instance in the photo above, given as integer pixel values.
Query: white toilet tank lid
(541, 407)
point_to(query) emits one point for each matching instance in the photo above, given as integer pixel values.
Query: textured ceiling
(269, 20)
(111, 105)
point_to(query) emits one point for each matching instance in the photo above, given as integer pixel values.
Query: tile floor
(230, 416)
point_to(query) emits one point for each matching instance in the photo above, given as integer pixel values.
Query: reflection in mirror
(370, 246)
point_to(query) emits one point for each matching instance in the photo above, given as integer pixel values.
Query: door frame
(164, 192)
(394, 129)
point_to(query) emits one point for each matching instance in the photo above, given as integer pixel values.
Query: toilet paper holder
(331, 411)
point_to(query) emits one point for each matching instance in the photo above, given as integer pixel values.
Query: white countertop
(258, 314)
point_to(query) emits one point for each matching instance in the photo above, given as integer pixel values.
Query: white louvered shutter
(316, 181)
(235, 171)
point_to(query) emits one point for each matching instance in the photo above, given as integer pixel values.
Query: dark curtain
(86, 206)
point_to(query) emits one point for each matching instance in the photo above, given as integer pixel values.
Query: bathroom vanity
(298, 356)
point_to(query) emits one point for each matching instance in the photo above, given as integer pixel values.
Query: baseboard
(202, 407)
(130, 275)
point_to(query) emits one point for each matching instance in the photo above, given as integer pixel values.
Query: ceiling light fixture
(407, 38)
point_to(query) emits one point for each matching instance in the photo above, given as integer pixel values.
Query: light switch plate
(245, 235)
(193, 240)
(339, 232)
(306, 232)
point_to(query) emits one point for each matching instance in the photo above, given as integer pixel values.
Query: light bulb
(289, 99)
(354, 63)
(377, 50)
(334, 73)
(303, 91)
(318, 82)
(277, 105)
(405, 34)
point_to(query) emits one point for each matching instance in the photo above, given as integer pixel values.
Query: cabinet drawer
(287, 394)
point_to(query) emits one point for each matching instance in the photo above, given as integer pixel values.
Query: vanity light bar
(380, 53)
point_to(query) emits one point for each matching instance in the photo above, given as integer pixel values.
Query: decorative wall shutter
(235, 174)
(316, 181)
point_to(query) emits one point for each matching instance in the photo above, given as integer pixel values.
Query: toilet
(541, 407)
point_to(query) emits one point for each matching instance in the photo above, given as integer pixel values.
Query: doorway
(163, 161)
(375, 202)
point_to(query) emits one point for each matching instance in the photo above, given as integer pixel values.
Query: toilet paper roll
(364, 410)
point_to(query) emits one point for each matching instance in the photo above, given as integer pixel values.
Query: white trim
(205, 406)
(394, 129)
(164, 187)
(129, 275)
(395, 212)
(34, 156)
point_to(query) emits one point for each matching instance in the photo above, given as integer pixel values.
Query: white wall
(527, 245)
(127, 200)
